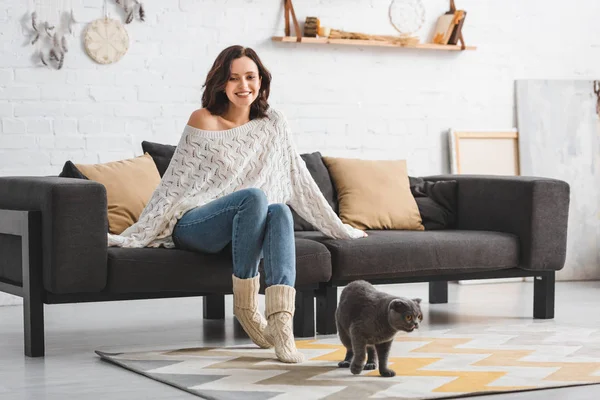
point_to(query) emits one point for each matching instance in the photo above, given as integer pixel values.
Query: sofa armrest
(535, 209)
(74, 227)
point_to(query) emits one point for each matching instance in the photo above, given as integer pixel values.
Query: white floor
(9, 300)
(71, 370)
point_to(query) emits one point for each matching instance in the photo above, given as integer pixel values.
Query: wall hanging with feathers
(48, 29)
(132, 9)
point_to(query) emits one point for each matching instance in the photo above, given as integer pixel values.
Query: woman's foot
(280, 307)
(245, 308)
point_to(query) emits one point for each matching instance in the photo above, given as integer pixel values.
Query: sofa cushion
(374, 194)
(129, 186)
(395, 254)
(70, 171)
(160, 270)
(437, 202)
(160, 153)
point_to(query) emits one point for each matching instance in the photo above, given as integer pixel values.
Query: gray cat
(367, 321)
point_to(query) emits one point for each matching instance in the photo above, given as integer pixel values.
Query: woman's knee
(280, 211)
(255, 197)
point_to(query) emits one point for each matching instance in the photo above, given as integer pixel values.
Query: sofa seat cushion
(397, 253)
(150, 270)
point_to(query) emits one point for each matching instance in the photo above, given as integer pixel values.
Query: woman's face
(244, 82)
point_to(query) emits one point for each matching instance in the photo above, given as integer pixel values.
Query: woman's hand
(355, 233)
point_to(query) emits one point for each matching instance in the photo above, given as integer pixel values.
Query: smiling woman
(230, 181)
(238, 80)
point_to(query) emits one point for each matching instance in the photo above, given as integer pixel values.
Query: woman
(233, 173)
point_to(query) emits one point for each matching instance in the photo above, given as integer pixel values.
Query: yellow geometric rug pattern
(430, 364)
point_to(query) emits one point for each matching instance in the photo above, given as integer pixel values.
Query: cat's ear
(399, 306)
(417, 300)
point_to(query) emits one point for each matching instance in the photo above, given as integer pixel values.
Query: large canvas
(484, 152)
(559, 137)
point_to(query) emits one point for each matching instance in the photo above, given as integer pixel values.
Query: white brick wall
(346, 101)
(343, 101)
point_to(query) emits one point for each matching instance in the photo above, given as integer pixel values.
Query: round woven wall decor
(106, 41)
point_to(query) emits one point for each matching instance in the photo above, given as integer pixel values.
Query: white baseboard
(483, 281)
(9, 300)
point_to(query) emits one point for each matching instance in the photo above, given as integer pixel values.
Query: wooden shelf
(374, 43)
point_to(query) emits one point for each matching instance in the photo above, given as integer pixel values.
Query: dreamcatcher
(51, 23)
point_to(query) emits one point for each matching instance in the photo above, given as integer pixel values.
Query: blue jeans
(253, 227)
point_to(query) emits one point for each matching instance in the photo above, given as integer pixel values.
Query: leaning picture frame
(484, 152)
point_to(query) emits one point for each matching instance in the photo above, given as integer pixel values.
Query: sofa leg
(326, 305)
(543, 296)
(33, 314)
(214, 306)
(33, 287)
(304, 316)
(438, 292)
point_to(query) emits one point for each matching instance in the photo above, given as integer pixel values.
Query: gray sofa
(53, 247)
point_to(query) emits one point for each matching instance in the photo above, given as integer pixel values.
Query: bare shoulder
(203, 119)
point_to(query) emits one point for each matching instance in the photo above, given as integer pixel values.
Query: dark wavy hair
(214, 98)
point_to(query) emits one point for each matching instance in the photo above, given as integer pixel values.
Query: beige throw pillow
(129, 186)
(374, 194)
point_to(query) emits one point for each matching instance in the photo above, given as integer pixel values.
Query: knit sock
(245, 308)
(280, 307)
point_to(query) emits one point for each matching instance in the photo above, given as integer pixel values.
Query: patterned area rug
(430, 364)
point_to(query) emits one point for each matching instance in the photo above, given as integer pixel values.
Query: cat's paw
(370, 366)
(387, 373)
(356, 368)
(344, 364)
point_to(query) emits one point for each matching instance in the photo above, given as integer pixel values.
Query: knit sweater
(207, 165)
